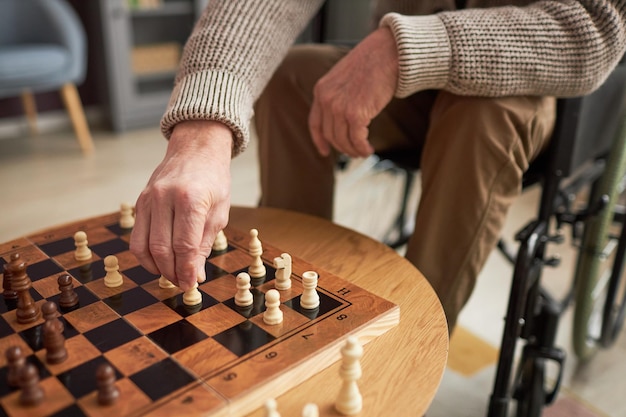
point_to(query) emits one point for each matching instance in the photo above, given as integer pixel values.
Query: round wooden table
(402, 369)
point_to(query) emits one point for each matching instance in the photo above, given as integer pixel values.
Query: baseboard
(48, 122)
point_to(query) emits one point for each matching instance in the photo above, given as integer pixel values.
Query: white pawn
(127, 220)
(220, 243)
(310, 410)
(165, 283)
(349, 400)
(192, 297)
(271, 408)
(243, 297)
(82, 252)
(309, 299)
(283, 272)
(113, 278)
(256, 269)
(273, 314)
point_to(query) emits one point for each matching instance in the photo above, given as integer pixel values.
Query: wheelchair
(586, 160)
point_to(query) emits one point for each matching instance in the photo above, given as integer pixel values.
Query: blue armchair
(43, 48)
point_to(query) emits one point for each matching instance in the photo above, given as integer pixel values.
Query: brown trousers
(473, 153)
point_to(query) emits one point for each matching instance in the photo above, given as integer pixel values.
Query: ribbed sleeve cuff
(423, 52)
(211, 95)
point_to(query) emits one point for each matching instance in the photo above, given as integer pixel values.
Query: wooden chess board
(214, 359)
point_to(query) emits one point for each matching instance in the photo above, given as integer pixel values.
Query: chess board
(214, 359)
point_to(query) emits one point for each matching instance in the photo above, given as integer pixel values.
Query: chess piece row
(112, 278)
(25, 376)
(193, 297)
(243, 296)
(127, 221)
(309, 299)
(349, 400)
(16, 287)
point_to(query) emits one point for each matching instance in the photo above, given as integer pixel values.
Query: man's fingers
(160, 243)
(315, 128)
(208, 237)
(341, 138)
(187, 242)
(139, 244)
(359, 138)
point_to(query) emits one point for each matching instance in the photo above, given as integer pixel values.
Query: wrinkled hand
(352, 93)
(185, 204)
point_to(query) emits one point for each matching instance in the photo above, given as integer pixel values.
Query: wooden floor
(46, 180)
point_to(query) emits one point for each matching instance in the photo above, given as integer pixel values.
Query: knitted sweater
(493, 48)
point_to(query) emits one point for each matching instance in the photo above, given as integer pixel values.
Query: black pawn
(108, 393)
(54, 342)
(49, 311)
(32, 393)
(15, 362)
(69, 298)
(8, 293)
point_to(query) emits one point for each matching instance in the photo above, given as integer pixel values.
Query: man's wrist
(202, 136)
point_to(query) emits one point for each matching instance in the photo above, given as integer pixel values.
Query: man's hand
(185, 204)
(352, 93)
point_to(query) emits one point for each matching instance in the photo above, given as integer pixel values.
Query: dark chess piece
(54, 342)
(108, 393)
(32, 394)
(69, 298)
(8, 293)
(49, 311)
(15, 362)
(26, 311)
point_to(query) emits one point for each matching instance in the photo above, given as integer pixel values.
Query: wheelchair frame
(575, 161)
(533, 314)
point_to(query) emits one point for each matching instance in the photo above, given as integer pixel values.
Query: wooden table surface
(402, 369)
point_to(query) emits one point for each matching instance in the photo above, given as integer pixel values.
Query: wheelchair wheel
(598, 264)
(529, 393)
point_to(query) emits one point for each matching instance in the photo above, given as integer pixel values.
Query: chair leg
(77, 115)
(30, 109)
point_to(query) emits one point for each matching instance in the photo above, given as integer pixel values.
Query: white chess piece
(256, 269)
(283, 272)
(272, 315)
(127, 220)
(309, 299)
(349, 400)
(193, 296)
(271, 408)
(165, 283)
(220, 243)
(243, 297)
(310, 410)
(82, 252)
(113, 278)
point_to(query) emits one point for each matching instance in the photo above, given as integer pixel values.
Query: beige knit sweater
(492, 48)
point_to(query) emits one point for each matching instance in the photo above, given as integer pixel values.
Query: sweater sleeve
(561, 48)
(229, 58)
